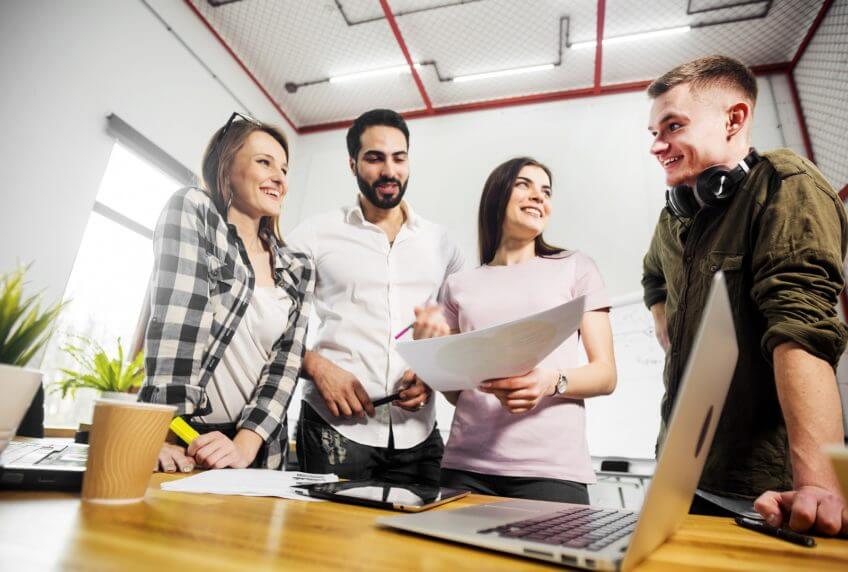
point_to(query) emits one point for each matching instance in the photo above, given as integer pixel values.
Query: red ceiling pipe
(243, 66)
(527, 100)
(810, 33)
(599, 44)
(799, 112)
(390, 18)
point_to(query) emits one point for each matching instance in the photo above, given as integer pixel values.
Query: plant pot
(18, 386)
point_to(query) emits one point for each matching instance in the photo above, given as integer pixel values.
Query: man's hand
(523, 393)
(342, 392)
(430, 322)
(216, 451)
(661, 325)
(173, 457)
(414, 394)
(808, 508)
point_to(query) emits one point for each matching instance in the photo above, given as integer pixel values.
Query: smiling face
(694, 131)
(529, 205)
(258, 176)
(382, 166)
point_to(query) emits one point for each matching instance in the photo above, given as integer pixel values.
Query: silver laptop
(35, 463)
(602, 539)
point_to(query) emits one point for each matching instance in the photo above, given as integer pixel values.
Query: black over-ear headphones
(714, 187)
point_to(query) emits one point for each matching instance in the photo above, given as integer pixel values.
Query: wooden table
(179, 531)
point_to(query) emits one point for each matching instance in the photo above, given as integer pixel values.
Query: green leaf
(24, 326)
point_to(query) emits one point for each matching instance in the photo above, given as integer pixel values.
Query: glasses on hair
(236, 116)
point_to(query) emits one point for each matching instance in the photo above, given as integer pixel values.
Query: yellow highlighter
(183, 430)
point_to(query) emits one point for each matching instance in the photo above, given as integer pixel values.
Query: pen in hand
(412, 325)
(781, 533)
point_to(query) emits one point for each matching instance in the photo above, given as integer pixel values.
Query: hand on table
(810, 508)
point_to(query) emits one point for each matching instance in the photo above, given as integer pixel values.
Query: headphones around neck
(713, 188)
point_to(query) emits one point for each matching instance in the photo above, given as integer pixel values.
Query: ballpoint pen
(781, 533)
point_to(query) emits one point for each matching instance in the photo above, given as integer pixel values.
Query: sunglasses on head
(236, 116)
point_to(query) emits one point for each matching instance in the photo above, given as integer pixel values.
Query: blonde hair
(218, 161)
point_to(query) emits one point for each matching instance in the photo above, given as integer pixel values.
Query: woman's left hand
(521, 394)
(216, 451)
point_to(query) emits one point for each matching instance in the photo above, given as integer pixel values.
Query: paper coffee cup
(839, 458)
(123, 448)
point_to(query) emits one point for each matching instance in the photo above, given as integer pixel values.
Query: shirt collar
(354, 214)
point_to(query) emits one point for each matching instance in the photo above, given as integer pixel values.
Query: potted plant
(112, 376)
(24, 329)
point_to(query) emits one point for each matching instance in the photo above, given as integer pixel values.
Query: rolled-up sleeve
(797, 268)
(653, 278)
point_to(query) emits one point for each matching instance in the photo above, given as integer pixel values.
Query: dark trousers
(322, 449)
(517, 487)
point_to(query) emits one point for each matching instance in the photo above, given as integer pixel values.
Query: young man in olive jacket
(778, 231)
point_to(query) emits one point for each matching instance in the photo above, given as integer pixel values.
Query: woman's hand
(172, 458)
(216, 451)
(523, 393)
(430, 322)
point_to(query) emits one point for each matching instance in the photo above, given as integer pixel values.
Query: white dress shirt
(365, 292)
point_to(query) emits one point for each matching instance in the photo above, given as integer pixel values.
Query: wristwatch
(561, 384)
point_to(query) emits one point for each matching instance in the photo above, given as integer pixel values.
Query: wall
(608, 190)
(65, 66)
(822, 79)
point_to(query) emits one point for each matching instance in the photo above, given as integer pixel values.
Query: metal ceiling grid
(822, 79)
(757, 33)
(292, 48)
(282, 42)
(497, 35)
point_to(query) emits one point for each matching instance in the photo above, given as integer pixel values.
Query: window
(109, 279)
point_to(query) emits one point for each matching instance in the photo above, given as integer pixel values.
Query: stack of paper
(250, 482)
(462, 361)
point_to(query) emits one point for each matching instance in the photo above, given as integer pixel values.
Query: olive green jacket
(780, 243)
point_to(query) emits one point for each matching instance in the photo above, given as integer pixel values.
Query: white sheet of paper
(249, 482)
(463, 361)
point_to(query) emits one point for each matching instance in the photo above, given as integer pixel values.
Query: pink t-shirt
(550, 440)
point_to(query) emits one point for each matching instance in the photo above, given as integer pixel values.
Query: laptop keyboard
(17, 450)
(574, 527)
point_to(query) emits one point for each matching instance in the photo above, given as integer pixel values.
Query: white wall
(608, 190)
(65, 67)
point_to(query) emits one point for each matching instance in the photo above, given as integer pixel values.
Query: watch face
(562, 383)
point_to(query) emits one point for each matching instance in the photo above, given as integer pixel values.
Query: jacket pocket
(221, 276)
(724, 261)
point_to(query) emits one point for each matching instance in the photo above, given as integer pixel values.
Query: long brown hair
(496, 194)
(218, 161)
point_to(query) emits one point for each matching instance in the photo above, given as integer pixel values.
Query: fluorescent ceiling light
(639, 36)
(514, 71)
(372, 73)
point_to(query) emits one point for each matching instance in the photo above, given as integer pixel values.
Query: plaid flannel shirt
(201, 287)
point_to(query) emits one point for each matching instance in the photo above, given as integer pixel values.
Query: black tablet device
(380, 494)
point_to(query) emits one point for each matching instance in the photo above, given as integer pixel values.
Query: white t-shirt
(237, 375)
(549, 441)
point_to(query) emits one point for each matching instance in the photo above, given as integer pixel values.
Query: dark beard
(370, 192)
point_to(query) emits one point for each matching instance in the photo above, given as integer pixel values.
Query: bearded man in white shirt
(377, 263)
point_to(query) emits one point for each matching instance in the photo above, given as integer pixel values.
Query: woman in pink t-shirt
(525, 436)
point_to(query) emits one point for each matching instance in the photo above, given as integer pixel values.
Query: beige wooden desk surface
(179, 531)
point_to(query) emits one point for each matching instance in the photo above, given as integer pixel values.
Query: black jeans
(534, 488)
(322, 449)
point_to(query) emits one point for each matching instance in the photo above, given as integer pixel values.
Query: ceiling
(292, 47)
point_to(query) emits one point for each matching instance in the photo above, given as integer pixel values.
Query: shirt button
(689, 259)
(713, 268)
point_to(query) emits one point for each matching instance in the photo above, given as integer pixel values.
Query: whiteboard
(626, 423)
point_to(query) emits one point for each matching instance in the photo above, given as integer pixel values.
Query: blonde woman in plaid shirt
(229, 305)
